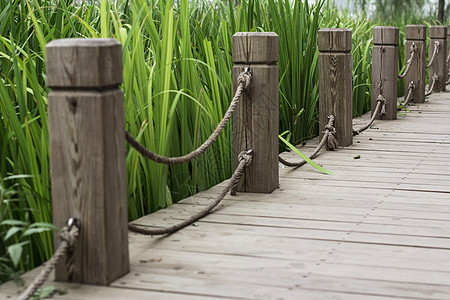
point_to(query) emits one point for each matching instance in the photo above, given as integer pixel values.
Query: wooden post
(385, 69)
(255, 120)
(439, 66)
(335, 82)
(87, 146)
(448, 51)
(416, 34)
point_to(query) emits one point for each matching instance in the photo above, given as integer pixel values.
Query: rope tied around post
(381, 107)
(411, 88)
(412, 51)
(245, 158)
(430, 90)
(68, 238)
(328, 140)
(244, 81)
(437, 46)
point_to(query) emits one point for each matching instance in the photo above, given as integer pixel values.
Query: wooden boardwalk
(377, 229)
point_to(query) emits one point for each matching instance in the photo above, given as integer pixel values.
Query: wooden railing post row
(87, 146)
(439, 66)
(335, 82)
(255, 120)
(385, 69)
(416, 34)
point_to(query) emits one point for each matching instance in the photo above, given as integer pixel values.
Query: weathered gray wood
(416, 34)
(255, 120)
(335, 82)
(448, 50)
(439, 66)
(385, 69)
(86, 122)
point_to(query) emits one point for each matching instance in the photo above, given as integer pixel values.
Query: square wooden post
(385, 69)
(416, 34)
(439, 65)
(255, 120)
(448, 51)
(335, 82)
(87, 146)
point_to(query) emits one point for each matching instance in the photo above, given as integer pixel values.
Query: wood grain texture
(335, 94)
(84, 63)
(255, 120)
(87, 146)
(416, 32)
(385, 70)
(255, 126)
(418, 71)
(439, 66)
(255, 47)
(438, 32)
(385, 35)
(334, 40)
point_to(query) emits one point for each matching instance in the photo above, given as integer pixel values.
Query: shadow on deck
(377, 229)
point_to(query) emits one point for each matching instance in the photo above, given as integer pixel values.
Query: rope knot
(70, 232)
(411, 85)
(246, 156)
(245, 78)
(435, 77)
(383, 101)
(413, 48)
(437, 46)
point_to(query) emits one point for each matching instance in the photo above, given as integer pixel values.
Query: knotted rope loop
(411, 87)
(412, 51)
(435, 78)
(68, 237)
(328, 140)
(245, 158)
(381, 108)
(244, 81)
(383, 101)
(245, 78)
(437, 46)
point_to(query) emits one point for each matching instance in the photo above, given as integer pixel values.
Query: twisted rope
(243, 80)
(245, 158)
(435, 52)
(68, 238)
(328, 140)
(411, 88)
(412, 51)
(435, 78)
(381, 104)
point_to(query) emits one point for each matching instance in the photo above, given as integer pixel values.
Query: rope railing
(435, 52)
(381, 108)
(68, 238)
(411, 88)
(328, 140)
(244, 81)
(245, 158)
(430, 90)
(412, 51)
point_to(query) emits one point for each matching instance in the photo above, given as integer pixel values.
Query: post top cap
(416, 32)
(438, 32)
(385, 35)
(335, 40)
(255, 47)
(84, 63)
